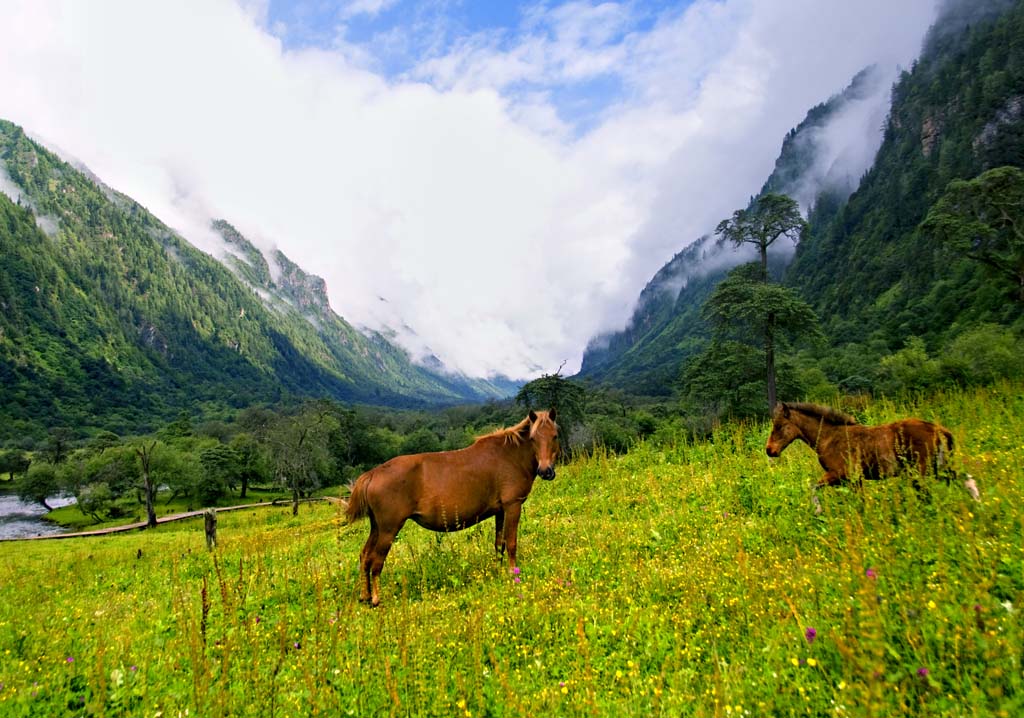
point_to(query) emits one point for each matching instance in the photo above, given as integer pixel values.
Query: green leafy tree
(39, 483)
(58, 444)
(909, 370)
(769, 218)
(983, 355)
(252, 464)
(553, 391)
(983, 219)
(104, 440)
(421, 441)
(222, 471)
(299, 449)
(744, 306)
(14, 462)
(725, 379)
(180, 470)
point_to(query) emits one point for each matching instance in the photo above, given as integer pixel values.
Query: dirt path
(139, 525)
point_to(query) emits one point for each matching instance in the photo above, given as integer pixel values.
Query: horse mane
(509, 435)
(825, 413)
(514, 435)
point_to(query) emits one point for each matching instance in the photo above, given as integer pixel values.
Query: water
(20, 520)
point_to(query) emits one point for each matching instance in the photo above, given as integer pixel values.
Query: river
(20, 520)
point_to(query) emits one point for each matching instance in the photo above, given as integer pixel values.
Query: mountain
(874, 279)
(666, 327)
(111, 319)
(957, 113)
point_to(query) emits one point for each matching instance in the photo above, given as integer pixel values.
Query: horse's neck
(811, 428)
(521, 454)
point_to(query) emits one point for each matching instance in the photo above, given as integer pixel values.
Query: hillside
(675, 580)
(111, 319)
(957, 113)
(871, 276)
(666, 327)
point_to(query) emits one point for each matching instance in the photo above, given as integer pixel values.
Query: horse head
(544, 437)
(784, 430)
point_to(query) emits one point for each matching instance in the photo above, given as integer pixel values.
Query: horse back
(439, 490)
(922, 441)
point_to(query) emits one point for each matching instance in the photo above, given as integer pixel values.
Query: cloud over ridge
(507, 196)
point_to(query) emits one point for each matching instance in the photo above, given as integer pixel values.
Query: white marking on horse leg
(972, 488)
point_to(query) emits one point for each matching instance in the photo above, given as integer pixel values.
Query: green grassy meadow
(685, 578)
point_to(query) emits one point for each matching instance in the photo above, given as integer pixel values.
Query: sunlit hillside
(679, 579)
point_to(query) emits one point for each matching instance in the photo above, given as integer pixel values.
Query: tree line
(296, 450)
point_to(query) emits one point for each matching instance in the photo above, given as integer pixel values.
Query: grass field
(681, 579)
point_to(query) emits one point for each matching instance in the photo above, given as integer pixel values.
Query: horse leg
(499, 534)
(511, 532)
(831, 478)
(366, 560)
(377, 557)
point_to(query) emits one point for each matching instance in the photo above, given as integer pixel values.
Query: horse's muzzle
(547, 473)
(771, 452)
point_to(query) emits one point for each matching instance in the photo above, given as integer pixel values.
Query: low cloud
(503, 229)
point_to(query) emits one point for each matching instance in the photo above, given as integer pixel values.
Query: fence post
(210, 516)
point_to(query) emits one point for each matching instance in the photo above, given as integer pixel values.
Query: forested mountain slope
(873, 277)
(110, 319)
(959, 112)
(666, 327)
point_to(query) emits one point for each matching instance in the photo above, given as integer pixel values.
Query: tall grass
(685, 578)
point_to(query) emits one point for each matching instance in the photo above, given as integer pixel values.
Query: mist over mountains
(866, 171)
(110, 318)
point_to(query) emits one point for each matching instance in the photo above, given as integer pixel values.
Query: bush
(909, 370)
(983, 355)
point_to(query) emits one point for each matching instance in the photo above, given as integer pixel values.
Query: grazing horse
(451, 490)
(844, 445)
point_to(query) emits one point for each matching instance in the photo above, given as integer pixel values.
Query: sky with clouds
(494, 182)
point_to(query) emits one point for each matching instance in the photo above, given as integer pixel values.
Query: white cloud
(501, 236)
(365, 7)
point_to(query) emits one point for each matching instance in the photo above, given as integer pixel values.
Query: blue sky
(396, 37)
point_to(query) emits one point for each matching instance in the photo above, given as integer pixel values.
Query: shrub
(983, 355)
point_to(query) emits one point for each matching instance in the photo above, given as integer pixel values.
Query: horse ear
(533, 416)
(551, 414)
(785, 409)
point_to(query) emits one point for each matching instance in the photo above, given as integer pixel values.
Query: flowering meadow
(684, 579)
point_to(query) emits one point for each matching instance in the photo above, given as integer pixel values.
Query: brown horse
(451, 490)
(843, 445)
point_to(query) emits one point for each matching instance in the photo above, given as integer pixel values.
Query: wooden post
(211, 528)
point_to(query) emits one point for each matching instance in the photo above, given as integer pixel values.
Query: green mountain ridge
(112, 320)
(873, 279)
(666, 327)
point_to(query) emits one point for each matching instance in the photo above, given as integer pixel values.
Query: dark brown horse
(451, 490)
(844, 446)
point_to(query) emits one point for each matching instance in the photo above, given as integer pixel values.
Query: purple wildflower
(515, 571)
(133, 668)
(922, 671)
(870, 573)
(297, 645)
(810, 634)
(70, 659)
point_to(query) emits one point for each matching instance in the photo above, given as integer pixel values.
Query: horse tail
(358, 506)
(943, 452)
